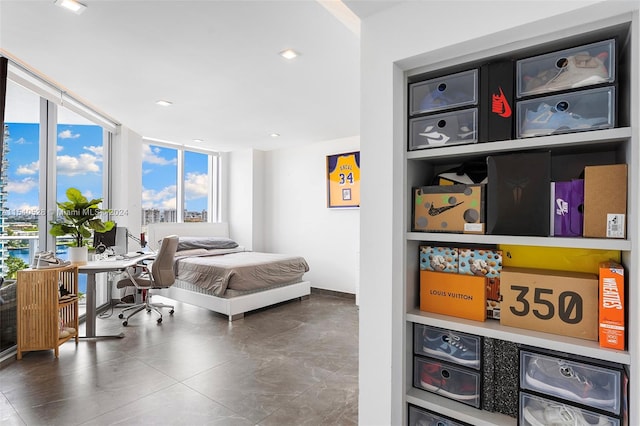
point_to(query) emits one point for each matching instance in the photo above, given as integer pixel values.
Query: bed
(229, 281)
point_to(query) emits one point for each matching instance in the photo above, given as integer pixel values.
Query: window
(174, 177)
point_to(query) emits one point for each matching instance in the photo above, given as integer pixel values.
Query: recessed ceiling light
(198, 140)
(289, 54)
(163, 103)
(274, 135)
(72, 5)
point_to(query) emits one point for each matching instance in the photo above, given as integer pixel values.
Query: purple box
(567, 199)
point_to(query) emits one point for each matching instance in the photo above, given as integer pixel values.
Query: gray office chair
(158, 275)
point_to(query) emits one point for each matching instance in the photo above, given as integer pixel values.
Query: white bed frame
(233, 307)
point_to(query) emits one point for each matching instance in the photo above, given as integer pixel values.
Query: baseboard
(334, 293)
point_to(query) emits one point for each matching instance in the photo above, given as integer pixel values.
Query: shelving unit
(621, 144)
(41, 312)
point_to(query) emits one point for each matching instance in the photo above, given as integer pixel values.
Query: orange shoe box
(611, 314)
(462, 296)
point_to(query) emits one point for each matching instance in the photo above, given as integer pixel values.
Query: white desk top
(112, 264)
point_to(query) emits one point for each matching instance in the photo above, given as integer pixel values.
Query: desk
(91, 269)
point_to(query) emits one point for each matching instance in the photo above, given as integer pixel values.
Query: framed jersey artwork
(343, 180)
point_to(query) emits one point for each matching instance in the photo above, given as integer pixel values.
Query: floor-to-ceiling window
(50, 144)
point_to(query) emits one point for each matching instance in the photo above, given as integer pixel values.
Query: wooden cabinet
(45, 320)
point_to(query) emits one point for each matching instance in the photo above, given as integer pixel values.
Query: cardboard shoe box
(556, 302)
(605, 201)
(449, 208)
(462, 296)
(611, 315)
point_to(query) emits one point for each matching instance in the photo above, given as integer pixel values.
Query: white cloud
(59, 148)
(96, 150)
(68, 134)
(162, 199)
(196, 185)
(23, 186)
(28, 169)
(20, 141)
(151, 156)
(71, 166)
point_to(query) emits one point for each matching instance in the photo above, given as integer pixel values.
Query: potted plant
(79, 217)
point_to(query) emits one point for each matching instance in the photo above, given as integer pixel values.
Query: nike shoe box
(580, 111)
(439, 259)
(446, 129)
(567, 205)
(449, 208)
(480, 262)
(579, 66)
(518, 194)
(461, 296)
(448, 380)
(497, 107)
(605, 201)
(444, 92)
(422, 417)
(447, 345)
(600, 385)
(557, 302)
(535, 411)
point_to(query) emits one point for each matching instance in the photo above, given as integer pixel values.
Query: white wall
(297, 220)
(406, 36)
(244, 203)
(126, 181)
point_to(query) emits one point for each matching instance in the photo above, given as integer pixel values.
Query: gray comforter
(217, 270)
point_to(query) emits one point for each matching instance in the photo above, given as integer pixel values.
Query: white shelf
(585, 243)
(493, 329)
(457, 410)
(579, 139)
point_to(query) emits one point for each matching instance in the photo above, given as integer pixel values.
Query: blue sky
(80, 164)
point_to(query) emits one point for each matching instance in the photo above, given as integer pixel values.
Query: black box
(518, 194)
(497, 106)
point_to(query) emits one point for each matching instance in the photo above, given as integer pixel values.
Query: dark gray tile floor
(292, 364)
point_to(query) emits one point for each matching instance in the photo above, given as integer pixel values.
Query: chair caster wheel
(171, 312)
(120, 316)
(159, 320)
(125, 323)
(148, 311)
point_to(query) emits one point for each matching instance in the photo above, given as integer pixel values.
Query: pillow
(208, 243)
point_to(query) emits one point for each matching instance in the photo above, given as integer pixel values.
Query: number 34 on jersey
(343, 172)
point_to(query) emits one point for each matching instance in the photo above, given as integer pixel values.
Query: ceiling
(217, 61)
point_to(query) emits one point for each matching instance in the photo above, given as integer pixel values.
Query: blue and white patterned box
(439, 259)
(480, 262)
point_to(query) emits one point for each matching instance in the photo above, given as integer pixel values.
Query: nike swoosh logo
(499, 104)
(435, 211)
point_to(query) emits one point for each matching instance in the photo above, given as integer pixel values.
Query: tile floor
(292, 364)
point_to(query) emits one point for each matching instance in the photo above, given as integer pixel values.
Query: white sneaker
(46, 259)
(562, 415)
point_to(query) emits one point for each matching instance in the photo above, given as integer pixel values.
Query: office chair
(158, 274)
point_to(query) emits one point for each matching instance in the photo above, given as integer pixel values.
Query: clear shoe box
(458, 348)
(450, 91)
(457, 383)
(422, 417)
(581, 66)
(592, 109)
(538, 411)
(452, 128)
(589, 385)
